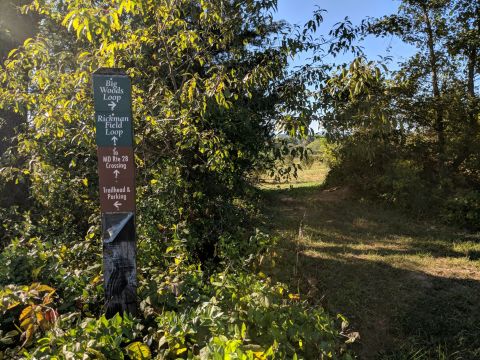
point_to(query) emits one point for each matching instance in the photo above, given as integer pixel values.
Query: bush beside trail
(185, 312)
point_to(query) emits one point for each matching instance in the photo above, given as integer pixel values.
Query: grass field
(410, 288)
(313, 175)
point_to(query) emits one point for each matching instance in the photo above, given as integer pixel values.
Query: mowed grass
(310, 175)
(410, 288)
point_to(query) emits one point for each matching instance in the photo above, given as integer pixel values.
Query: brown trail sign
(116, 171)
(116, 179)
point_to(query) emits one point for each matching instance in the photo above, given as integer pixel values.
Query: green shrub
(231, 312)
(463, 210)
(402, 184)
(76, 338)
(380, 170)
(185, 312)
(242, 314)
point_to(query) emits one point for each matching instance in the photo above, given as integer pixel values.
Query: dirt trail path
(411, 289)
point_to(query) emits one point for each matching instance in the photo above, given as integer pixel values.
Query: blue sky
(300, 11)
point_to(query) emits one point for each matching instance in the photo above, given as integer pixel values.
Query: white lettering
(110, 132)
(116, 166)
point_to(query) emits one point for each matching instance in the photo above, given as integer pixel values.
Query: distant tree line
(411, 136)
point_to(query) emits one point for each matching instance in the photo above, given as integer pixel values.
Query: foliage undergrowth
(235, 312)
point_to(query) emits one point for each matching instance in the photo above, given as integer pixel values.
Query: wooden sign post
(116, 171)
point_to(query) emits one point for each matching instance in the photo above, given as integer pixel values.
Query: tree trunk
(472, 125)
(472, 102)
(439, 125)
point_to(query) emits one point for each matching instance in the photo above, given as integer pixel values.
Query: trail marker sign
(114, 129)
(116, 171)
(116, 179)
(113, 110)
(112, 92)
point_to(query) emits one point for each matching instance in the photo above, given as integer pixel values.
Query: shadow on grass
(398, 312)
(356, 259)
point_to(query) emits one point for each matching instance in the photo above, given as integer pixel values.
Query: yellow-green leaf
(36, 271)
(45, 288)
(29, 332)
(13, 304)
(294, 296)
(181, 350)
(26, 323)
(96, 353)
(12, 52)
(138, 351)
(83, 54)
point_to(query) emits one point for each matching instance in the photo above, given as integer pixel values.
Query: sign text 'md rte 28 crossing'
(113, 118)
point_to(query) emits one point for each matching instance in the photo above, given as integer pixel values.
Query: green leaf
(244, 331)
(45, 288)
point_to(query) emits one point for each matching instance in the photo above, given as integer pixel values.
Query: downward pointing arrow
(114, 139)
(116, 173)
(117, 205)
(112, 105)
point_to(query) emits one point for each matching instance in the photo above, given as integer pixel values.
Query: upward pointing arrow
(116, 173)
(112, 105)
(114, 139)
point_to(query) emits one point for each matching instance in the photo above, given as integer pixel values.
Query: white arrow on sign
(112, 105)
(117, 205)
(114, 139)
(116, 173)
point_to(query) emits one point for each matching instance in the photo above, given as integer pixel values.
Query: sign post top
(110, 71)
(112, 93)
